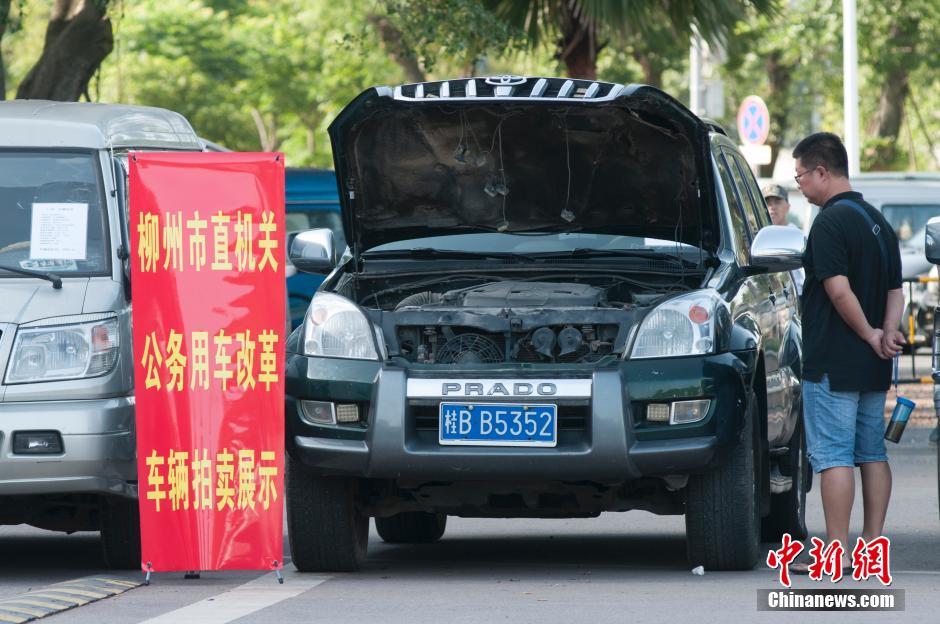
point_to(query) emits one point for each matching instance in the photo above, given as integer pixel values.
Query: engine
(510, 321)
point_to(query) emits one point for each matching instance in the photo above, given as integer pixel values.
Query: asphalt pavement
(627, 567)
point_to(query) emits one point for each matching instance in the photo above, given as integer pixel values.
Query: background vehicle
(312, 202)
(555, 326)
(932, 254)
(67, 449)
(908, 201)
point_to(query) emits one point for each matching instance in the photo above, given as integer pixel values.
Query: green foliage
(284, 62)
(657, 23)
(792, 60)
(804, 45)
(241, 70)
(461, 32)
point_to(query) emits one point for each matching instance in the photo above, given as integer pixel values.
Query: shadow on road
(27, 551)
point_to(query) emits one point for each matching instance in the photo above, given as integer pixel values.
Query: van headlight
(684, 325)
(336, 327)
(52, 352)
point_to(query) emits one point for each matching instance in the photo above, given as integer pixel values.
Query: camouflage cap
(774, 190)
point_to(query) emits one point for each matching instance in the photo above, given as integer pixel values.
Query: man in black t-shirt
(851, 307)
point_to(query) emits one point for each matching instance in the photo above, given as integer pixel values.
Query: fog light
(684, 412)
(318, 412)
(347, 413)
(37, 443)
(657, 412)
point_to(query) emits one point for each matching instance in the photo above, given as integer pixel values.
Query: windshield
(909, 220)
(542, 243)
(53, 214)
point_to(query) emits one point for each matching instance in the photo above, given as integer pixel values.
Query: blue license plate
(498, 424)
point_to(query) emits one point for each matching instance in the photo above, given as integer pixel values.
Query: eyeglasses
(800, 175)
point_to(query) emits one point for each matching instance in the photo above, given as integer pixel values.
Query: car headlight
(684, 325)
(51, 352)
(336, 327)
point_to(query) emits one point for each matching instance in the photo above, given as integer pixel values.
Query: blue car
(312, 202)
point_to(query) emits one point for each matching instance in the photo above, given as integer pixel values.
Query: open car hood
(513, 154)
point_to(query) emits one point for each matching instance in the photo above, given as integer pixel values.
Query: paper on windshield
(59, 231)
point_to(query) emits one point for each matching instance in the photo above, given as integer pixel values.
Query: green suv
(559, 298)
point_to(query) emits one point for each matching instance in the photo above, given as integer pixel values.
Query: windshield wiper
(447, 254)
(585, 252)
(55, 279)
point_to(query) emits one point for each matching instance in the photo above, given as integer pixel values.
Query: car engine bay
(542, 319)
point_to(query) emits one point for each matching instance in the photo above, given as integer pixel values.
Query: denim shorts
(842, 428)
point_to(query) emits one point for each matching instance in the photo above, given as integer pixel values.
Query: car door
(766, 293)
(781, 297)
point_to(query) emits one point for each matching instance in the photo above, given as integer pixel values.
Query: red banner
(207, 256)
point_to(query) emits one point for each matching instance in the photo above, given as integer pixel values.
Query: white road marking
(245, 599)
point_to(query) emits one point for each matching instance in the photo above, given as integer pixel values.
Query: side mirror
(778, 248)
(932, 241)
(313, 251)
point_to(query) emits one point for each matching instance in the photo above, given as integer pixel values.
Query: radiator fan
(469, 349)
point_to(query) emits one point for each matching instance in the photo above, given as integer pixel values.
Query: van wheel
(412, 527)
(788, 509)
(325, 530)
(120, 533)
(722, 507)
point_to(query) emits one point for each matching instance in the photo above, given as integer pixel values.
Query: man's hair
(823, 149)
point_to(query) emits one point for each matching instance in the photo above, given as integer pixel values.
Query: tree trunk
(779, 76)
(885, 127)
(396, 48)
(267, 130)
(652, 70)
(78, 38)
(887, 121)
(578, 46)
(4, 16)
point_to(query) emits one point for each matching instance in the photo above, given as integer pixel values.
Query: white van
(67, 445)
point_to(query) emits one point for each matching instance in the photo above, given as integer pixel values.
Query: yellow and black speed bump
(62, 596)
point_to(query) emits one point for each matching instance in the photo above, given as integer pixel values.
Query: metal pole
(850, 84)
(695, 73)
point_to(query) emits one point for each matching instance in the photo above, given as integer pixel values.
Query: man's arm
(846, 304)
(894, 307)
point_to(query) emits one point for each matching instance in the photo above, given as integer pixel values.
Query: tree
(78, 38)
(252, 75)
(420, 34)
(793, 78)
(4, 22)
(581, 29)
(897, 39)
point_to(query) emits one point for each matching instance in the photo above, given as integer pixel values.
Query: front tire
(326, 531)
(120, 533)
(412, 527)
(722, 508)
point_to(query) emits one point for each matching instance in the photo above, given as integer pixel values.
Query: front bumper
(614, 444)
(98, 448)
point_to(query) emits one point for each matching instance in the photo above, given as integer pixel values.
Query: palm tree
(582, 28)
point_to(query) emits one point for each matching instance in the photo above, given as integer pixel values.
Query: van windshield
(53, 213)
